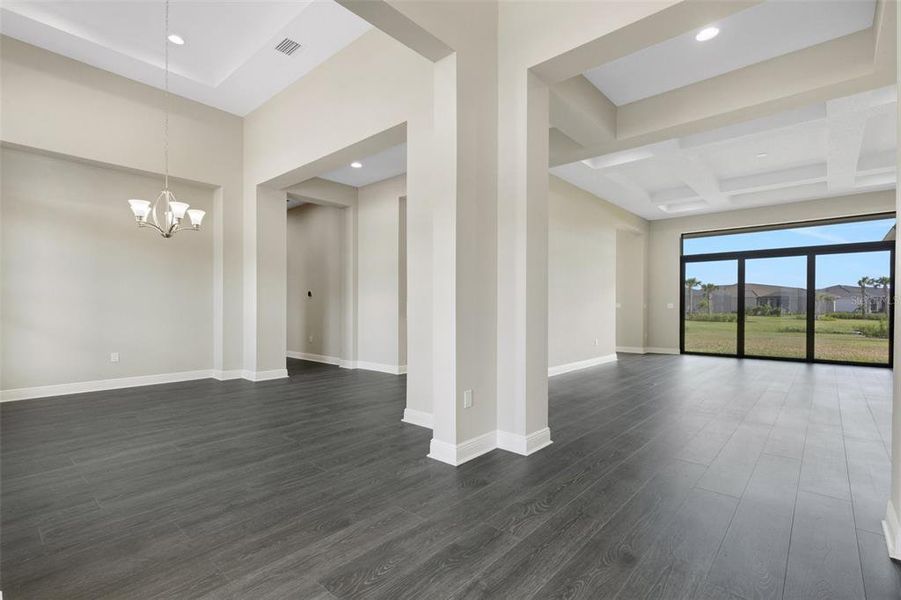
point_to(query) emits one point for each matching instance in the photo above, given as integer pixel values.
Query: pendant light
(166, 214)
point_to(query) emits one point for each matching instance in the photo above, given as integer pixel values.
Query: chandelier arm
(152, 225)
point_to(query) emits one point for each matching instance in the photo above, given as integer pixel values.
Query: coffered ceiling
(841, 146)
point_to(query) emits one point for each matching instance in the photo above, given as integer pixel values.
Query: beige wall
(56, 104)
(315, 242)
(369, 87)
(582, 273)
(631, 290)
(379, 276)
(80, 280)
(664, 250)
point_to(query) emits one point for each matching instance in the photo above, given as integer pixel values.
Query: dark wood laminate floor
(669, 477)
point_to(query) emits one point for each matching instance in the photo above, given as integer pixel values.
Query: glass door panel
(710, 315)
(853, 307)
(776, 307)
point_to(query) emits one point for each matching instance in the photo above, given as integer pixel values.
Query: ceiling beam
(692, 171)
(323, 192)
(680, 17)
(582, 112)
(841, 67)
(848, 118)
(399, 26)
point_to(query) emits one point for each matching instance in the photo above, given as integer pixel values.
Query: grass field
(786, 337)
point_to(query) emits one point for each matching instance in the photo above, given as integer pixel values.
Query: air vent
(287, 46)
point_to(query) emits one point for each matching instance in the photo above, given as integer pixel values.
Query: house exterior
(788, 300)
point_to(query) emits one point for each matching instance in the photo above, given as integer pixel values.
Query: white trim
(892, 530)
(524, 444)
(265, 375)
(320, 358)
(477, 446)
(657, 350)
(463, 452)
(100, 385)
(371, 366)
(417, 417)
(631, 350)
(582, 364)
(227, 375)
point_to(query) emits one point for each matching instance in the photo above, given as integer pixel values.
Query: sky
(835, 269)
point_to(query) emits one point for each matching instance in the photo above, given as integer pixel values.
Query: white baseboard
(582, 364)
(418, 417)
(524, 444)
(100, 385)
(265, 375)
(227, 375)
(631, 350)
(371, 366)
(659, 350)
(458, 454)
(320, 358)
(891, 528)
(349, 364)
(463, 452)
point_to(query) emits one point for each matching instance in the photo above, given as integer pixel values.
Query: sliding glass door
(776, 307)
(711, 302)
(823, 303)
(854, 322)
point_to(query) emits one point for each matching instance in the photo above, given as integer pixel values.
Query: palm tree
(707, 289)
(823, 297)
(884, 282)
(863, 282)
(690, 284)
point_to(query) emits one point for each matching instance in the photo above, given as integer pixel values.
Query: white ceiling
(228, 60)
(751, 36)
(843, 146)
(378, 167)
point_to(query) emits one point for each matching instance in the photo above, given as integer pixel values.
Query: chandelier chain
(166, 125)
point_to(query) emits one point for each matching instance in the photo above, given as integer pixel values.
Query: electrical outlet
(670, 305)
(310, 339)
(467, 399)
(114, 357)
(619, 305)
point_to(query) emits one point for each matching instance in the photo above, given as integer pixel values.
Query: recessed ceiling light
(708, 33)
(762, 155)
(176, 39)
(356, 165)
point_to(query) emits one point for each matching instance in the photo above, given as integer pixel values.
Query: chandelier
(166, 214)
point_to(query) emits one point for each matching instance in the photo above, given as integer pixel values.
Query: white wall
(379, 276)
(582, 273)
(315, 241)
(664, 250)
(79, 280)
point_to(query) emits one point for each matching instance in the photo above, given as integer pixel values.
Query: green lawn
(785, 336)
